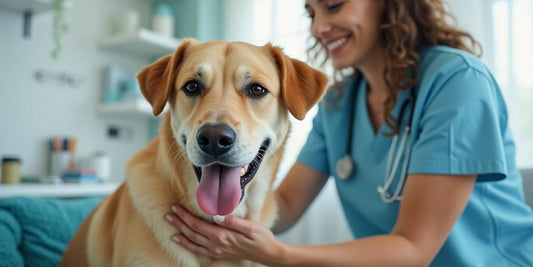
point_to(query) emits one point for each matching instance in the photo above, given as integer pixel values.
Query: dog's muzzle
(222, 185)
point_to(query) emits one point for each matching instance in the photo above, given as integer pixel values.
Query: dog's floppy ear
(301, 85)
(157, 79)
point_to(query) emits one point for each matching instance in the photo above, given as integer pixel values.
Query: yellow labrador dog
(217, 153)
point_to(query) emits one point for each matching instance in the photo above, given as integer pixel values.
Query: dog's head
(229, 105)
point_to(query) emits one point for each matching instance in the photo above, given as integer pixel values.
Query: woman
(457, 201)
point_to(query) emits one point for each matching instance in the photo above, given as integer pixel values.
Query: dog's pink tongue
(220, 190)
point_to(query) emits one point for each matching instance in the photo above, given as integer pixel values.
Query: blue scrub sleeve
(314, 153)
(461, 127)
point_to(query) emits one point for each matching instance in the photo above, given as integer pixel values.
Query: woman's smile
(336, 45)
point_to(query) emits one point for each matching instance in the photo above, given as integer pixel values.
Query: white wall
(475, 17)
(31, 112)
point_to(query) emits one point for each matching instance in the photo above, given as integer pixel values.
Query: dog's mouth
(222, 187)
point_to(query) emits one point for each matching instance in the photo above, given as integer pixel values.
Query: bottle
(163, 19)
(10, 170)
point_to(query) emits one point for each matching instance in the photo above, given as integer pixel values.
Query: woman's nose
(320, 26)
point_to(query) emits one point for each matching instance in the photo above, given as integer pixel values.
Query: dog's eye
(256, 90)
(192, 88)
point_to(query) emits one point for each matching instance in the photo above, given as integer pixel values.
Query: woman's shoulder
(443, 62)
(338, 94)
(442, 59)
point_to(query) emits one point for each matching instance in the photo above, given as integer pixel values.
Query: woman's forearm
(385, 250)
(285, 218)
(294, 195)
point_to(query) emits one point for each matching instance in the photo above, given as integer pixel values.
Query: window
(289, 28)
(513, 68)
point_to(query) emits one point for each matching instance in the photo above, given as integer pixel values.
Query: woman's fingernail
(174, 209)
(169, 218)
(218, 218)
(176, 239)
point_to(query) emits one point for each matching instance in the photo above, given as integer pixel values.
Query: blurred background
(70, 106)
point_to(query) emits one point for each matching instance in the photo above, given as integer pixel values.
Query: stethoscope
(345, 165)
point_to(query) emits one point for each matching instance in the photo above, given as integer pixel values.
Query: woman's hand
(230, 238)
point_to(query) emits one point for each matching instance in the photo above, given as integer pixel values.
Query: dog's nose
(215, 139)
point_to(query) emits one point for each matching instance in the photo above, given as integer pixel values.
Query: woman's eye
(335, 7)
(192, 88)
(256, 91)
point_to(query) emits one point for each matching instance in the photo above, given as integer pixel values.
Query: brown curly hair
(406, 25)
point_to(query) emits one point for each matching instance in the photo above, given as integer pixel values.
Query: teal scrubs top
(459, 126)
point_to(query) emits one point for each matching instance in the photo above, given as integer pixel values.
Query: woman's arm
(294, 195)
(430, 206)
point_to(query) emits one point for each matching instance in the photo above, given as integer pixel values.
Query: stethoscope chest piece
(344, 167)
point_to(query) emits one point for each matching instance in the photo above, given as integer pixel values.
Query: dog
(219, 147)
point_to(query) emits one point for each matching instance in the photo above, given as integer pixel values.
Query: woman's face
(348, 29)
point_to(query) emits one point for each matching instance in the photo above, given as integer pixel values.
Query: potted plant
(59, 26)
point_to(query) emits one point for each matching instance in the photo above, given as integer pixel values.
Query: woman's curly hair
(406, 25)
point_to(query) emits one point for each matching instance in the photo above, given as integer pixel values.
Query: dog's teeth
(244, 169)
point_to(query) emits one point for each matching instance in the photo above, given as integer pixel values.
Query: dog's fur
(128, 228)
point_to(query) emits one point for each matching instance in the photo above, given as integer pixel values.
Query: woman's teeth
(334, 45)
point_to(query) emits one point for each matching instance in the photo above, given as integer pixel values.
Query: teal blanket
(36, 231)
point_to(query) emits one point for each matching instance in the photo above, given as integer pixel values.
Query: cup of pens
(62, 151)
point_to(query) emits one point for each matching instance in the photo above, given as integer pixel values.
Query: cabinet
(143, 43)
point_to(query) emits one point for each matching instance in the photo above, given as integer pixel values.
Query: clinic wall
(31, 112)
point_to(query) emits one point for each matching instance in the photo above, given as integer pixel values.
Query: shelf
(20, 6)
(62, 190)
(143, 42)
(28, 8)
(129, 107)
(139, 107)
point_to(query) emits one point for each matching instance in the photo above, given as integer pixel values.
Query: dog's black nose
(215, 139)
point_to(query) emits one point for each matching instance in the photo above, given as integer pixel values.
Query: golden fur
(128, 228)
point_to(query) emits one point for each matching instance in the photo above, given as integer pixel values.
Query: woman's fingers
(245, 227)
(194, 235)
(194, 223)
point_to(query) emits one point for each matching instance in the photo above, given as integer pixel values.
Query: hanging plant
(59, 26)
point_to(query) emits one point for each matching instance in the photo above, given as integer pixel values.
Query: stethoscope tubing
(394, 157)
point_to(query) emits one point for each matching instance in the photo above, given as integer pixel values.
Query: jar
(10, 170)
(163, 19)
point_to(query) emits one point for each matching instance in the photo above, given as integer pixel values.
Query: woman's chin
(340, 64)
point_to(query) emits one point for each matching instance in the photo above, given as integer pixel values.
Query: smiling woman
(462, 154)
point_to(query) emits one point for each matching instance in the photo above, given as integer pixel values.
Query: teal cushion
(10, 236)
(42, 227)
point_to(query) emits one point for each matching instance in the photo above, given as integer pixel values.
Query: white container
(128, 22)
(163, 26)
(59, 162)
(101, 163)
(163, 19)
